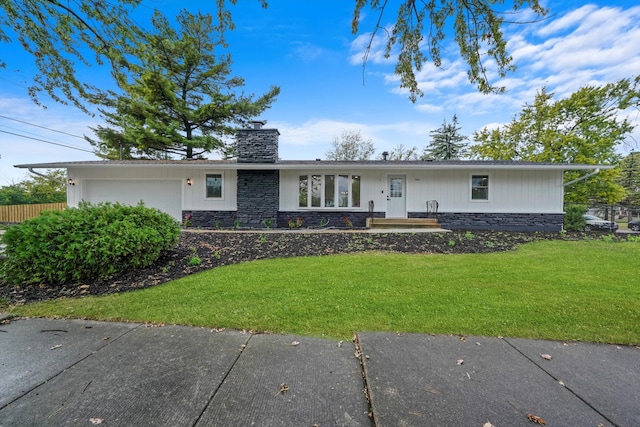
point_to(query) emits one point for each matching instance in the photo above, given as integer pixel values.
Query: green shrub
(92, 241)
(573, 217)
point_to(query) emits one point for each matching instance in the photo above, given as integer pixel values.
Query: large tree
(59, 35)
(400, 152)
(421, 28)
(446, 142)
(50, 188)
(585, 128)
(629, 179)
(176, 95)
(350, 146)
(62, 35)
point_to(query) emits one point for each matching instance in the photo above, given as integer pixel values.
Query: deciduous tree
(59, 35)
(400, 152)
(584, 128)
(421, 28)
(37, 189)
(350, 146)
(62, 35)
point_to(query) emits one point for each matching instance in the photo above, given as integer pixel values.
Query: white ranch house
(501, 195)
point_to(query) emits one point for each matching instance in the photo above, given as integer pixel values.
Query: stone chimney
(257, 145)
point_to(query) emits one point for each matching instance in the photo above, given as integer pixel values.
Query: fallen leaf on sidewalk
(536, 419)
(460, 361)
(283, 388)
(546, 356)
(488, 424)
(295, 343)
(340, 344)
(56, 346)
(95, 421)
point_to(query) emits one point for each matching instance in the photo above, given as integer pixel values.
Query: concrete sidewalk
(83, 373)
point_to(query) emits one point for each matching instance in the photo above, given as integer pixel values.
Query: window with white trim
(329, 191)
(480, 187)
(213, 186)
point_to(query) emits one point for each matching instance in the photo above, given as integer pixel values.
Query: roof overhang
(318, 165)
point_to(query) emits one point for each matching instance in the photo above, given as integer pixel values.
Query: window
(214, 186)
(480, 187)
(316, 187)
(395, 187)
(355, 191)
(303, 194)
(343, 191)
(329, 191)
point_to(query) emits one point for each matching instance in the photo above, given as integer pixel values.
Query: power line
(41, 127)
(45, 141)
(27, 133)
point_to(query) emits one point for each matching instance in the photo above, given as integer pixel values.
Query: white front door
(396, 196)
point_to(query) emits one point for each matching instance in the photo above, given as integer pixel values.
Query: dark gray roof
(322, 164)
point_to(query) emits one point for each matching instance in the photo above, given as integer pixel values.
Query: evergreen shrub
(573, 217)
(88, 242)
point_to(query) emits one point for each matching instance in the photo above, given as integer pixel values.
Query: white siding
(126, 184)
(514, 191)
(160, 194)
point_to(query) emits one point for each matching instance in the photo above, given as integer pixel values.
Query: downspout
(47, 177)
(589, 175)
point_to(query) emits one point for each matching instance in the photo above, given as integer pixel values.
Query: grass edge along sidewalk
(559, 290)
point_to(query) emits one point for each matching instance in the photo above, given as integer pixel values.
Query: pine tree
(629, 178)
(178, 98)
(446, 142)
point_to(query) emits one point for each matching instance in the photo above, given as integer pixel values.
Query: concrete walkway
(83, 373)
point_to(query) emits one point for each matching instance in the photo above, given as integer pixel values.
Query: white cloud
(306, 51)
(376, 47)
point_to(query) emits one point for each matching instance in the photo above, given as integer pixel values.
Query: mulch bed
(218, 248)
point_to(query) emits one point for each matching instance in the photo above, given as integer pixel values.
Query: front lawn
(564, 290)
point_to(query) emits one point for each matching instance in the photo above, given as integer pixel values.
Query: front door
(396, 197)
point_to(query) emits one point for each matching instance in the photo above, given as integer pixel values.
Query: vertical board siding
(515, 191)
(20, 213)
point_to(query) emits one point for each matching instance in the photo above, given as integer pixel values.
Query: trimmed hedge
(88, 242)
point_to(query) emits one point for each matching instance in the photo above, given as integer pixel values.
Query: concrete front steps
(403, 223)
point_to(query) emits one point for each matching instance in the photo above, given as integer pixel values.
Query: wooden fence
(19, 213)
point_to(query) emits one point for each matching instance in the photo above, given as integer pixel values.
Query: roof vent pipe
(385, 154)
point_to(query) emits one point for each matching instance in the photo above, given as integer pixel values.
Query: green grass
(587, 290)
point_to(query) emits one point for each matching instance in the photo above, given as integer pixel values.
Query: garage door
(165, 195)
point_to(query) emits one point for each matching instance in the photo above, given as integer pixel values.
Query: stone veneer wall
(258, 197)
(335, 218)
(257, 145)
(497, 221)
(211, 219)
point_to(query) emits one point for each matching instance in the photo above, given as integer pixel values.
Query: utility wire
(41, 127)
(45, 141)
(27, 133)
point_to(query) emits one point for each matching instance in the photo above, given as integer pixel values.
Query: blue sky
(308, 50)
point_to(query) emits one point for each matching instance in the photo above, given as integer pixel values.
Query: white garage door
(165, 195)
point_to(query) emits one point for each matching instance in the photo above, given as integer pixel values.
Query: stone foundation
(335, 218)
(496, 221)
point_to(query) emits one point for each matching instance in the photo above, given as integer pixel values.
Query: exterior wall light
(72, 181)
(189, 182)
